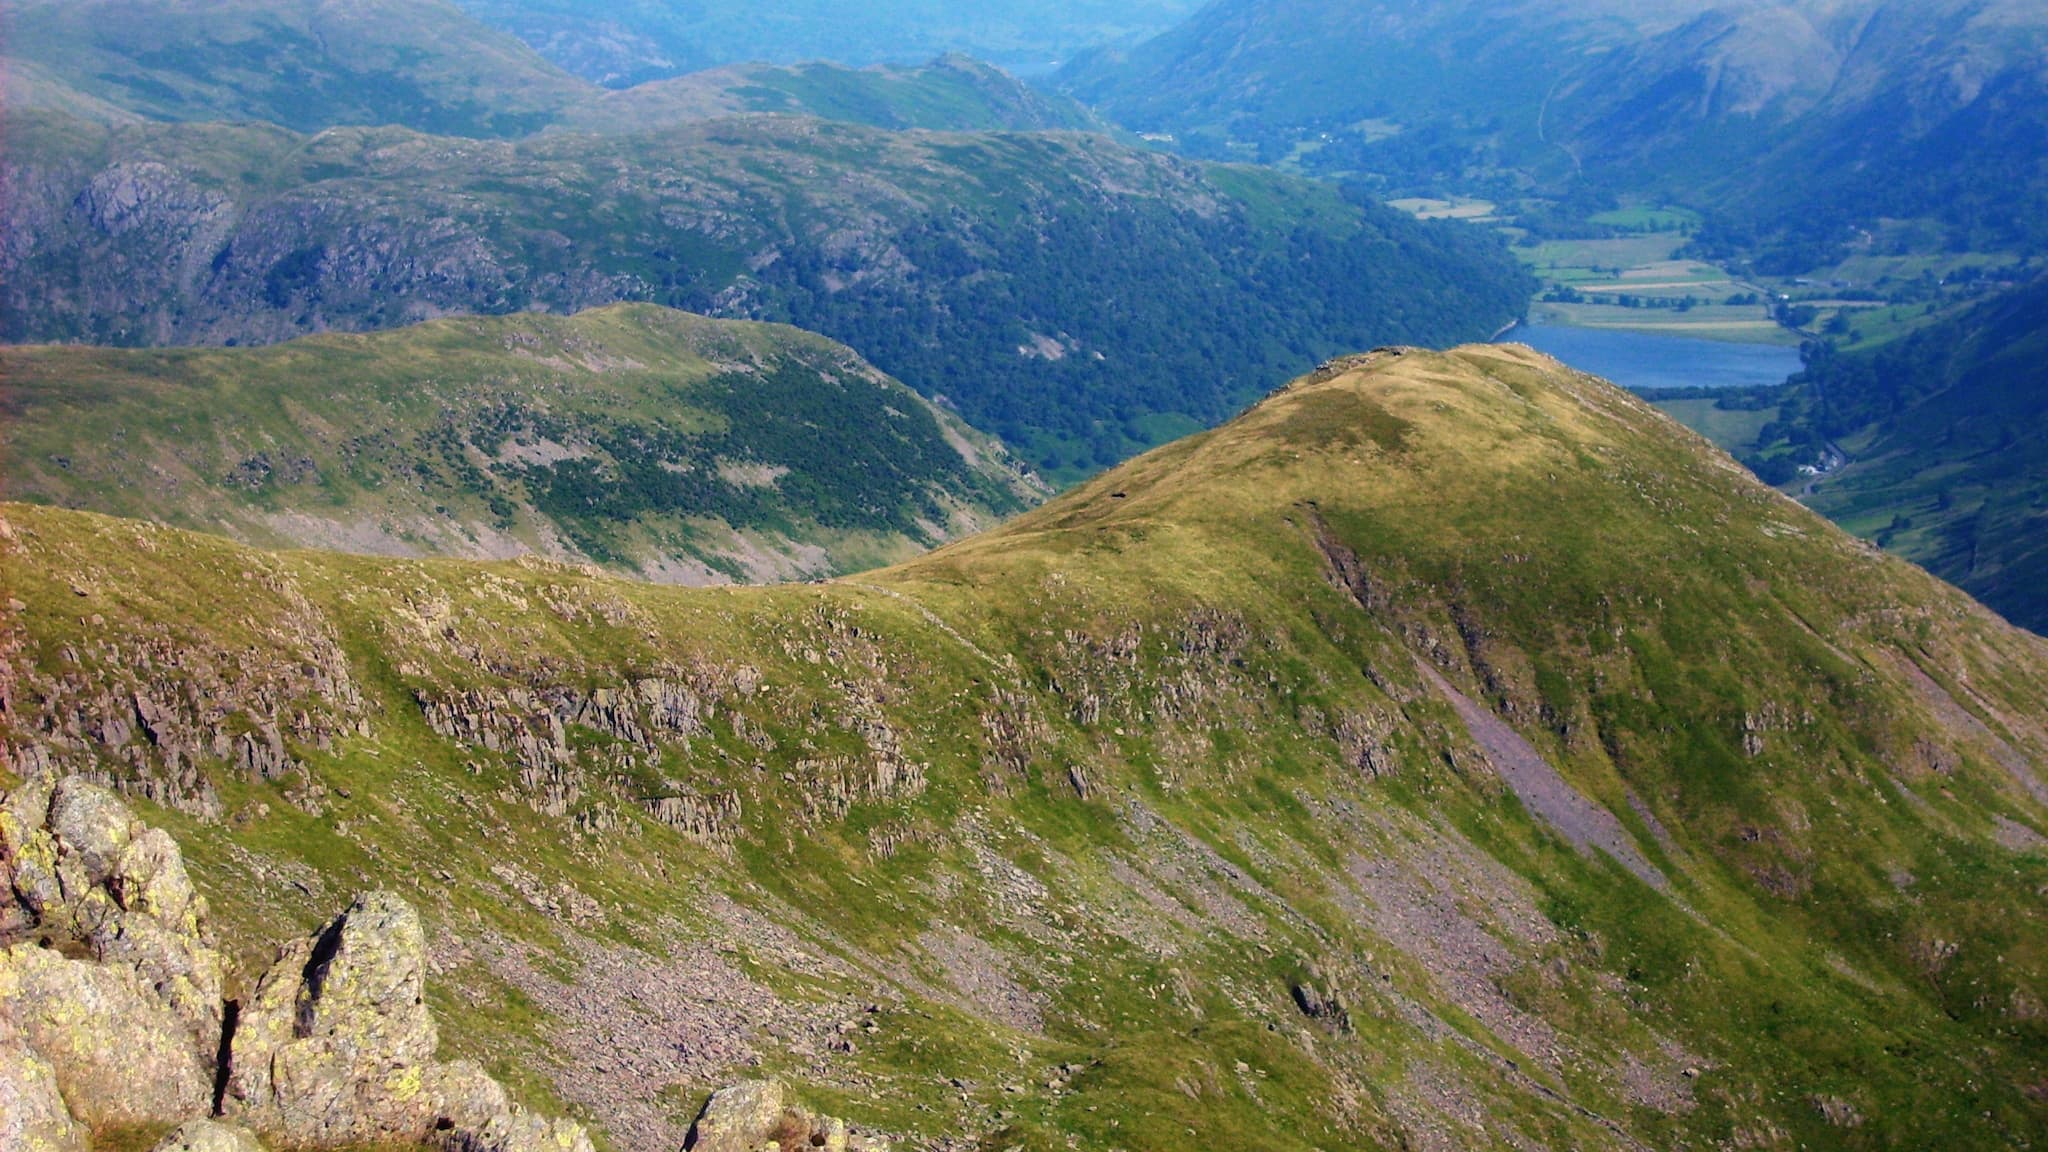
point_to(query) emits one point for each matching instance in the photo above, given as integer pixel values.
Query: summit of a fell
(1401, 420)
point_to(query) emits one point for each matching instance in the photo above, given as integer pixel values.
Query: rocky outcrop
(112, 1010)
(336, 1047)
(331, 1047)
(120, 1056)
(755, 1116)
(105, 974)
(163, 714)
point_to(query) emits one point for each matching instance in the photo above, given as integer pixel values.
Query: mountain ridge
(310, 65)
(1209, 797)
(1797, 122)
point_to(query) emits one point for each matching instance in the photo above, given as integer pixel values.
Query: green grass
(1645, 217)
(634, 436)
(1653, 623)
(1731, 431)
(1572, 260)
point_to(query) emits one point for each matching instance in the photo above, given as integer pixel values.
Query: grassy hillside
(1451, 752)
(655, 441)
(1080, 298)
(305, 64)
(314, 64)
(952, 93)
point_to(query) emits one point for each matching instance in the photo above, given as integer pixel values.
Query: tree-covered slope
(1949, 431)
(1449, 753)
(654, 441)
(1076, 296)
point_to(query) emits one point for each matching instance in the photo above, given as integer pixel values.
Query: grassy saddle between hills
(1450, 752)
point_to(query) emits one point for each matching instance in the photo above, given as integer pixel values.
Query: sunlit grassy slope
(642, 438)
(1451, 752)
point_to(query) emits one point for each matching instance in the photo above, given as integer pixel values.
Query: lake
(1645, 360)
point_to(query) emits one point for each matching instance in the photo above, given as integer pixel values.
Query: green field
(1656, 219)
(1643, 269)
(1454, 208)
(1732, 432)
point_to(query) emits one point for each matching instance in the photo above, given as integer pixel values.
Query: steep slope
(1077, 297)
(656, 441)
(1798, 120)
(1275, 72)
(1451, 752)
(1809, 120)
(305, 64)
(1950, 434)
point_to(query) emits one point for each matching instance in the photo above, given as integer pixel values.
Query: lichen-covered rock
(739, 1118)
(331, 1048)
(209, 1136)
(485, 1120)
(336, 1047)
(33, 1117)
(754, 1115)
(85, 875)
(121, 1056)
(111, 1011)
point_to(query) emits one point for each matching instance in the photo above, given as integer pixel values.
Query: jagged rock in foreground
(1451, 752)
(336, 1048)
(106, 974)
(112, 1011)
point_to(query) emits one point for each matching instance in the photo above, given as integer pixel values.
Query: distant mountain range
(1081, 298)
(1794, 119)
(636, 40)
(309, 65)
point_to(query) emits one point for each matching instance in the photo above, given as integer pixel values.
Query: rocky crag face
(1451, 752)
(117, 1015)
